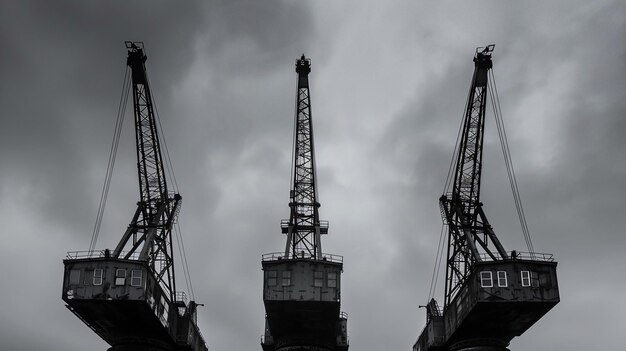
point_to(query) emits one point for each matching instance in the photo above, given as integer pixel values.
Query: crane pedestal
(302, 304)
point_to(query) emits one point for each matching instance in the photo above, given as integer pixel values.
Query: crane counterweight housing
(302, 285)
(491, 295)
(128, 295)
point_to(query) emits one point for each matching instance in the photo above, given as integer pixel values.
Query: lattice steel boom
(462, 209)
(304, 227)
(151, 225)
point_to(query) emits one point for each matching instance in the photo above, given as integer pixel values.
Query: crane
(128, 295)
(491, 295)
(302, 285)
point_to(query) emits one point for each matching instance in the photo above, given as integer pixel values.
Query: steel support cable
(182, 253)
(177, 232)
(451, 171)
(294, 157)
(449, 180)
(495, 100)
(436, 268)
(168, 163)
(507, 159)
(511, 170)
(121, 111)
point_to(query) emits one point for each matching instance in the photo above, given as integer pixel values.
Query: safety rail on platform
(75, 255)
(438, 312)
(181, 297)
(523, 256)
(275, 256)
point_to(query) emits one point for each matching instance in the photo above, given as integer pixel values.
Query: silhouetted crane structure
(128, 295)
(302, 285)
(491, 295)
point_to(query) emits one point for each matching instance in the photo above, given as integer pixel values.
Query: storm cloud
(388, 87)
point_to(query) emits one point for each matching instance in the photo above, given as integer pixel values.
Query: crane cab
(499, 300)
(121, 300)
(502, 299)
(302, 303)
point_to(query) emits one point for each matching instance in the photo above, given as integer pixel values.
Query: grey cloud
(222, 74)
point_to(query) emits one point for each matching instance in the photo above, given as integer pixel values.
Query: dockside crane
(128, 295)
(491, 295)
(302, 285)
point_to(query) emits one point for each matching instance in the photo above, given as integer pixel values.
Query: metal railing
(181, 296)
(276, 256)
(75, 255)
(524, 256)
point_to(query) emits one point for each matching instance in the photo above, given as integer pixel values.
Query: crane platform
(121, 300)
(302, 304)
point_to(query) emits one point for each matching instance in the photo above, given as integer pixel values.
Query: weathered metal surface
(130, 308)
(302, 280)
(302, 304)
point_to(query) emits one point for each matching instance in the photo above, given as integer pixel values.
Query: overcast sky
(388, 86)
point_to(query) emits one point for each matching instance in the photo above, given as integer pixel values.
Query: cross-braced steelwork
(468, 228)
(303, 227)
(151, 225)
(491, 296)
